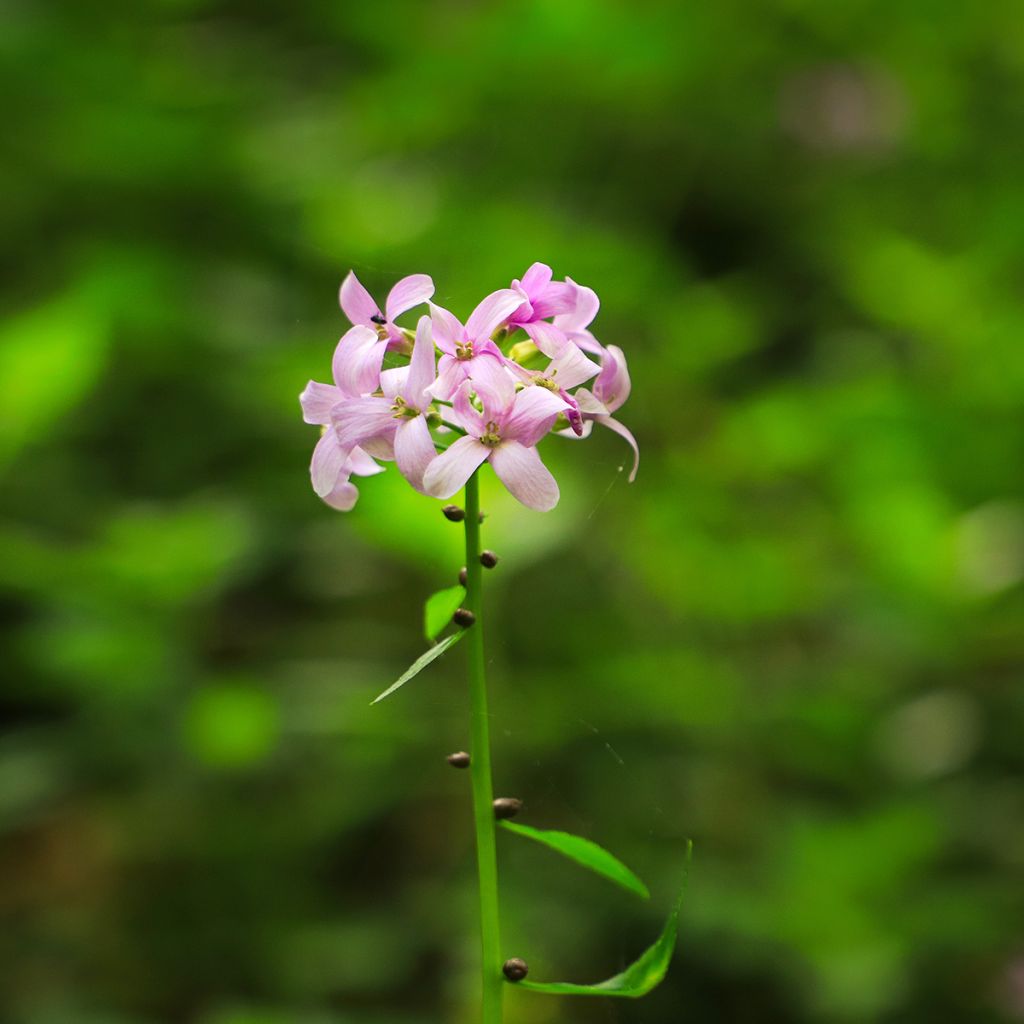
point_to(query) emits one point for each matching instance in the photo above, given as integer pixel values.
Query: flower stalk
(480, 769)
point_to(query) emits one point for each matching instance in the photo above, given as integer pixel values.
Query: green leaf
(440, 608)
(584, 852)
(419, 665)
(644, 974)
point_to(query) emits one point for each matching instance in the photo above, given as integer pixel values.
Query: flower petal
(414, 450)
(343, 497)
(392, 381)
(489, 370)
(422, 371)
(532, 415)
(492, 311)
(356, 302)
(317, 400)
(465, 412)
(361, 464)
(359, 420)
(585, 307)
(357, 361)
(623, 431)
(327, 464)
(452, 468)
(572, 367)
(536, 279)
(408, 292)
(613, 385)
(451, 373)
(448, 332)
(520, 469)
(548, 338)
(589, 405)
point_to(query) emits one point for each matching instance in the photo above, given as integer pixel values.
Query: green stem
(480, 769)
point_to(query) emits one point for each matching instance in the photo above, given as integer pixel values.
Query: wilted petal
(613, 385)
(356, 302)
(327, 464)
(520, 469)
(409, 292)
(357, 361)
(422, 372)
(622, 431)
(358, 420)
(492, 311)
(317, 401)
(414, 450)
(532, 415)
(448, 332)
(450, 470)
(343, 497)
(548, 338)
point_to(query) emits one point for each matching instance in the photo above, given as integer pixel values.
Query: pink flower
(611, 389)
(469, 352)
(542, 297)
(565, 371)
(574, 324)
(330, 470)
(504, 433)
(395, 426)
(360, 353)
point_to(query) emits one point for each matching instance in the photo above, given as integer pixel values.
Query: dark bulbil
(463, 617)
(515, 969)
(462, 576)
(453, 513)
(488, 559)
(460, 759)
(507, 807)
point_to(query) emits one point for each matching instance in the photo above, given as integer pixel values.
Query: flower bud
(453, 513)
(462, 576)
(488, 559)
(463, 617)
(460, 759)
(507, 807)
(515, 969)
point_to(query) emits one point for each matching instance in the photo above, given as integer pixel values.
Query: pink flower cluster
(462, 394)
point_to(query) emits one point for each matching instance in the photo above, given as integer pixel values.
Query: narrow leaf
(644, 974)
(440, 608)
(584, 852)
(420, 664)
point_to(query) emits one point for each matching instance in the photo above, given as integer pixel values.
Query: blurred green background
(796, 639)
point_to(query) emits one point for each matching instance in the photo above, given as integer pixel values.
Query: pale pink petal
(408, 292)
(623, 431)
(448, 332)
(361, 464)
(589, 405)
(422, 371)
(492, 311)
(343, 497)
(317, 401)
(450, 470)
(532, 415)
(357, 302)
(585, 307)
(548, 338)
(536, 279)
(392, 381)
(571, 368)
(466, 414)
(586, 341)
(613, 385)
(358, 420)
(489, 371)
(555, 300)
(380, 447)
(327, 464)
(520, 469)
(414, 450)
(451, 373)
(357, 361)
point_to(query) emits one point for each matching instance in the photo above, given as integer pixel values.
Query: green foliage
(420, 664)
(439, 609)
(584, 852)
(640, 977)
